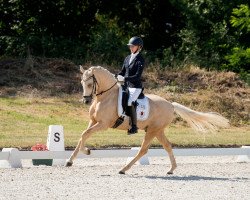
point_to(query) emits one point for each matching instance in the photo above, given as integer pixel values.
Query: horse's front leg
(86, 150)
(81, 144)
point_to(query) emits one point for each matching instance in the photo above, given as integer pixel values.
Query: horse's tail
(201, 121)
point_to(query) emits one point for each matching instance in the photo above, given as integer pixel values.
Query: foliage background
(42, 41)
(213, 34)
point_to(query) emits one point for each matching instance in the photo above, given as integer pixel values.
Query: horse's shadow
(196, 178)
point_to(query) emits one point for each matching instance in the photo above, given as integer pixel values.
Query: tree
(239, 58)
(207, 35)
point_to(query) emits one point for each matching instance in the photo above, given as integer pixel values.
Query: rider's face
(133, 48)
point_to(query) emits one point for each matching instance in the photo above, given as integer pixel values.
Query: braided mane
(102, 69)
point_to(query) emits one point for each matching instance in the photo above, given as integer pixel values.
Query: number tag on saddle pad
(142, 108)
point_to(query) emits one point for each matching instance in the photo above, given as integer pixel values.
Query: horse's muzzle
(87, 99)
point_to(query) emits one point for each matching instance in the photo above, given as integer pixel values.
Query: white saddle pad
(142, 109)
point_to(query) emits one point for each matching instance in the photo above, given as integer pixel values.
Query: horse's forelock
(90, 71)
(87, 74)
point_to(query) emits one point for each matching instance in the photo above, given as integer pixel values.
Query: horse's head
(88, 84)
(96, 81)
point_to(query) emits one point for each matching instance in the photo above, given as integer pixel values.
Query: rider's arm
(122, 73)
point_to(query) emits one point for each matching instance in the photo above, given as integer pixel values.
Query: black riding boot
(133, 118)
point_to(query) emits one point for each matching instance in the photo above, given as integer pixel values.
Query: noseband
(94, 87)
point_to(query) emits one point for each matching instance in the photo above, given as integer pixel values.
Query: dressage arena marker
(11, 157)
(55, 142)
(244, 158)
(144, 159)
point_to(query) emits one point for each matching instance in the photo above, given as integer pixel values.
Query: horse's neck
(107, 96)
(105, 83)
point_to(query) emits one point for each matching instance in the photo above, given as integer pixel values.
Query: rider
(131, 74)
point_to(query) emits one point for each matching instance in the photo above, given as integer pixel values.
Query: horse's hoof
(121, 172)
(68, 164)
(88, 152)
(170, 173)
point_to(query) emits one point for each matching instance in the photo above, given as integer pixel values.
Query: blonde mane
(100, 69)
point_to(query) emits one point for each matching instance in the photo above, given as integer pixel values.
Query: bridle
(94, 87)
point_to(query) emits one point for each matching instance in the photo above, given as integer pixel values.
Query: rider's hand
(120, 78)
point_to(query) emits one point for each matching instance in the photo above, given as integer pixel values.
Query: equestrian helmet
(136, 41)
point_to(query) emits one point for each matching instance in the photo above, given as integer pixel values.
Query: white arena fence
(13, 156)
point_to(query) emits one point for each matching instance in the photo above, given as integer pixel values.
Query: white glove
(120, 78)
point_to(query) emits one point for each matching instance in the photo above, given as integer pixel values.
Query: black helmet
(136, 41)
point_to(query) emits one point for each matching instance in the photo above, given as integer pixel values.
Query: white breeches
(133, 95)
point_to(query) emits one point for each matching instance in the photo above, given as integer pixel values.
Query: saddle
(141, 105)
(125, 96)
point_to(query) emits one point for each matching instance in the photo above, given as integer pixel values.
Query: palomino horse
(99, 82)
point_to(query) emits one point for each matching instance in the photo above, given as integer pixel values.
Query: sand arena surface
(195, 178)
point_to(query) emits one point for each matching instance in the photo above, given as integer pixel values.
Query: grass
(25, 121)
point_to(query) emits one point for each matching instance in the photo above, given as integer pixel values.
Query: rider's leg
(133, 117)
(133, 95)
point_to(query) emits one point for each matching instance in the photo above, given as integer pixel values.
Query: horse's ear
(81, 69)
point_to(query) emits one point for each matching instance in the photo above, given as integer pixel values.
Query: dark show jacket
(132, 72)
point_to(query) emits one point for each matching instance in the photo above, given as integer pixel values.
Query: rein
(94, 87)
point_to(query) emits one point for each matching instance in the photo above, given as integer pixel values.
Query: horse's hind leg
(143, 150)
(168, 147)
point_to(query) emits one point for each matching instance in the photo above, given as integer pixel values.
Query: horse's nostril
(86, 101)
